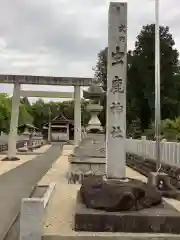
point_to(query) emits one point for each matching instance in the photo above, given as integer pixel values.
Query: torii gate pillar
(14, 122)
(77, 115)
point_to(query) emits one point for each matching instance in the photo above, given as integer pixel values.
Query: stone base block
(110, 236)
(25, 150)
(157, 178)
(10, 159)
(163, 183)
(159, 219)
(80, 169)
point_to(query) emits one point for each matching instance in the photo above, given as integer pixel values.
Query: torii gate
(17, 80)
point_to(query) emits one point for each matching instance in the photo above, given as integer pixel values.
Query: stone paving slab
(19, 183)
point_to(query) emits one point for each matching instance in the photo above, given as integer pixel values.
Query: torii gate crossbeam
(17, 80)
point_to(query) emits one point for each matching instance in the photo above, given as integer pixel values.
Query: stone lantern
(94, 93)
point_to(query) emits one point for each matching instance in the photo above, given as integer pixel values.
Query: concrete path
(6, 166)
(59, 168)
(59, 216)
(19, 182)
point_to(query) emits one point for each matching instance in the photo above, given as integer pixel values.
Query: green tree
(39, 114)
(141, 75)
(101, 68)
(171, 129)
(101, 75)
(40, 111)
(134, 129)
(5, 112)
(24, 115)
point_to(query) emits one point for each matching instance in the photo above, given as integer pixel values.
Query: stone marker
(116, 90)
(114, 203)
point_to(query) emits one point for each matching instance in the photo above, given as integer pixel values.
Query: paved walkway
(59, 216)
(6, 166)
(58, 170)
(18, 183)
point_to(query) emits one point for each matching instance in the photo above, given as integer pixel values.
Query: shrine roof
(60, 118)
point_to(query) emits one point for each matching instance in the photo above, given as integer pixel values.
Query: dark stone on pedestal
(118, 195)
(130, 207)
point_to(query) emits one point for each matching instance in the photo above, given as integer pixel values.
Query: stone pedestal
(163, 183)
(159, 219)
(88, 158)
(123, 205)
(156, 179)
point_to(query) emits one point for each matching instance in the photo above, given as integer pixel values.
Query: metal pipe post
(157, 87)
(49, 127)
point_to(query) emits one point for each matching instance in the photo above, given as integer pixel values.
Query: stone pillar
(116, 90)
(49, 132)
(77, 115)
(31, 219)
(14, 121)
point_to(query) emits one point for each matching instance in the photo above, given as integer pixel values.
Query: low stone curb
(32, 214)
(111, 236)
(48, 193)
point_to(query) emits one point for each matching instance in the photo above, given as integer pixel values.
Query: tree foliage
(5, 112)
(39, 112)
(141, 77)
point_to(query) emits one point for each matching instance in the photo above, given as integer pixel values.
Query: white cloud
(63, 37)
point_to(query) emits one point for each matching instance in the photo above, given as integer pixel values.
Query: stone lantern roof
(93, 91)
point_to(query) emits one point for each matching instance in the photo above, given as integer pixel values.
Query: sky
(63, 37)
